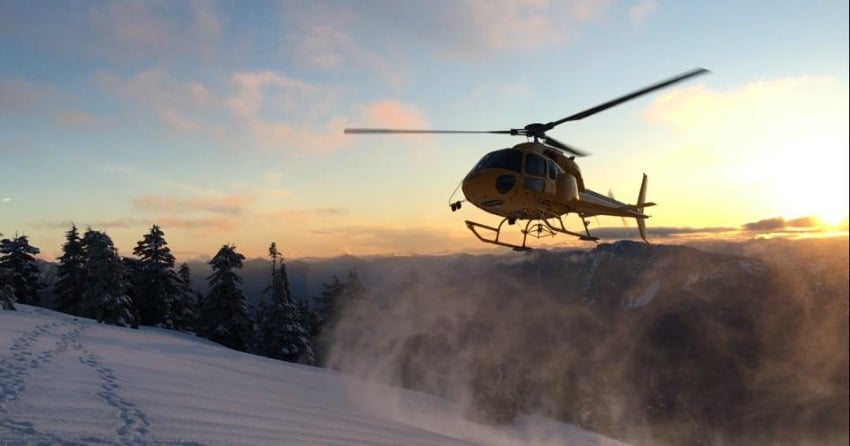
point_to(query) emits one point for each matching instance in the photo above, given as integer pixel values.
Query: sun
(833, 218)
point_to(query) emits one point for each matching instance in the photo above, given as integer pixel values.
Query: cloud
(755, 106)
(219, 223)
(392, 114)
(804, 222)
(304, 215)
(154, 30)
(369, 239)
(330, 36)
(76, 118)
(287, 93)
(154, 87)
(115, 223)
(176, 120)
(486, 27)
(767, 224)
(21, 95)
(641, 10)
(182, 106)
(779, 224)
(262, 110)
(225, 205)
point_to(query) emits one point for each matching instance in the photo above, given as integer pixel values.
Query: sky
(222, 122)
(73, 381)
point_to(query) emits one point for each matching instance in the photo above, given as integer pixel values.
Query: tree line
(94, 281)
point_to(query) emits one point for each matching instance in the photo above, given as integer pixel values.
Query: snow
(66, 380)
(645, 297)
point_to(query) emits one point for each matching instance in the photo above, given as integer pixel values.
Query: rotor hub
(536, 130)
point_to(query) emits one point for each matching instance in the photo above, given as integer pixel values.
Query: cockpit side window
(509, 159)
(553, 170)
(535, 165)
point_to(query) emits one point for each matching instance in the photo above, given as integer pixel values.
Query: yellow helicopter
(539, 180)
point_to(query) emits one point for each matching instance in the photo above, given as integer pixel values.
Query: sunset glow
(223, 123)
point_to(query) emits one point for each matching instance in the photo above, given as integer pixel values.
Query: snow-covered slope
(66, 380)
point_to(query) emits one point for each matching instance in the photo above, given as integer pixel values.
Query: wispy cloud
(368, 239)
(392, 114)
(253, 90)
(324, 35)
(226, 205)
(314, 215)
(484, 28)
(262, 110)
(156, 88)
(761, 103)
(115, 223)
(154, 30)
(641, 10)
(17, 95)
(780, 223)
(76, 118)
(210, 223)
(328, 35)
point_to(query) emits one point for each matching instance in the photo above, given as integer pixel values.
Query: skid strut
(537, 228)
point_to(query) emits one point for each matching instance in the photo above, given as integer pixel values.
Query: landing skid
(537, 228)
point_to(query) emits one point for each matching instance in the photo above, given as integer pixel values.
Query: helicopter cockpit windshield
(509, 159)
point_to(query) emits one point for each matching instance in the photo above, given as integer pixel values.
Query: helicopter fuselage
(533, 181)
(539, 181)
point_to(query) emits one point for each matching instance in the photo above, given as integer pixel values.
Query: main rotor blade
(558, 144)
(628, 97)
(366, 131)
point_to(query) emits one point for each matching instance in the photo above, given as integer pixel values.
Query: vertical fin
(641, 221)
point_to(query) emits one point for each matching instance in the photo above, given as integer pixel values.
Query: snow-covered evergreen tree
(7, 294)
(133, 285)
(281, 334)
(16, 255)
(337, 294)
(185, 304)
(105, 298)
(329, 306)
(70, 280)
(158, 283)
(225, 316)
(326, 302)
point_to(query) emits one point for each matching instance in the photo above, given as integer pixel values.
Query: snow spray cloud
(489, 341)
(723, 350)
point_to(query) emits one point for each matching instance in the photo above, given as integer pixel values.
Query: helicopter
(539, 181)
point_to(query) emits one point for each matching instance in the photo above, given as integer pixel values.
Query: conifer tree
(185, 305)
(335, 297)
(7, 294)
(133, 285)
(104, 297)
(329, 299)
(281, 335)
(337, 294)
(16, 255)
(225, 314)
(158, 284)
(70, 281)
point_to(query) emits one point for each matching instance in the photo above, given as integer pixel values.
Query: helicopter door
(536, 169)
